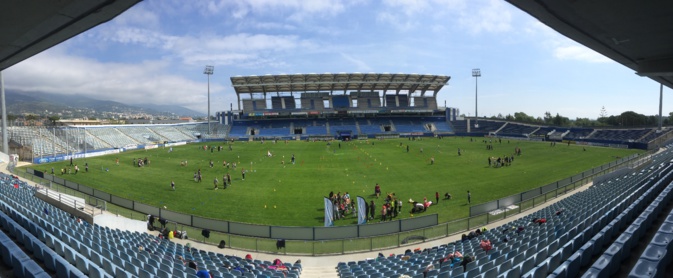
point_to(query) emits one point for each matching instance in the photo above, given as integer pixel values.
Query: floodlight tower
(208, 71)
(476, 73)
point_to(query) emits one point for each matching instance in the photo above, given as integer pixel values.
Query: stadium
(605, 198)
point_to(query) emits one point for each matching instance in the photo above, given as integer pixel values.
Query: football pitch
(277, 192)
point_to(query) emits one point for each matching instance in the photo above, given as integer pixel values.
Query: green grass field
(291, 195)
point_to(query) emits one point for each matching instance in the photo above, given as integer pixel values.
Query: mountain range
(77, 106)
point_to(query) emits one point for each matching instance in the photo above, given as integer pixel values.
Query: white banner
(329, 213)
(362, 210)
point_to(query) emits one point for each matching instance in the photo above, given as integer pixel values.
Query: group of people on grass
(343, 204)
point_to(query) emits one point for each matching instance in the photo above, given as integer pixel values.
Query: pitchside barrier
(333, 240)
(246, 229)
(554, 189)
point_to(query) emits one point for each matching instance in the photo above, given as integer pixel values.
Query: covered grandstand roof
(637, 34)
(30, 27)
(330, 82)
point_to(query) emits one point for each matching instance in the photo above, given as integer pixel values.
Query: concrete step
(318, 271)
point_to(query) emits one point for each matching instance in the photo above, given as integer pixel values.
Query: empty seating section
(597, 226)
(514, 129)
(369, 102)
(659, 252)
(486, 126)
(59, 245)
(42, 141)
(343, 125)
(141, 134)
(408, 125)
(460, 126)
(73, 135)
(653, 135)
(67, 140)
(578, 133)
(316, 130)
(112, 136)
(238, 131)
(543, 131)
(391, 101)
(251, 105)
(373, 125)
(311, 127)
(171, 133)
(217, 130)
(340, 102)
(426, 102)
(619, 134)
(442, 126)
(276, 128)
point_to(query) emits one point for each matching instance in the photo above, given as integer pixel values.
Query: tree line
(627, 119)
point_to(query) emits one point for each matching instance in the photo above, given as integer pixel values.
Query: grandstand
(54, 243)
(343, 105)
(597, 230)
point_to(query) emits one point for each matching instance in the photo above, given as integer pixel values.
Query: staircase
(317, 271)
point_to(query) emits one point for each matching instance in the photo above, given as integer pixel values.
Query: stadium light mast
(476, 73)
(208, 71)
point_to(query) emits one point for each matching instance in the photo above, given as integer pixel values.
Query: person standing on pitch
(469, 197)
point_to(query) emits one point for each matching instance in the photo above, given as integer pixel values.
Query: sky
(157, 50)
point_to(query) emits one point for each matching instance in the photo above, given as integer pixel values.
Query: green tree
(584, 122)
(560, 120)
(548, 117)
(54, 119)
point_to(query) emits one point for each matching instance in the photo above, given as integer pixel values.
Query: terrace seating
(578, 133)
(112, 137)
(514, 129)
(408, 125)
(485, 126)
(619, 134)
(459, 126)
(78, 250)
(654, 135)
(581, 232)
(171, 133)
(442, 126)
(543, 131)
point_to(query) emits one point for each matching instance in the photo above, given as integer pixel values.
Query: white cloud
(294, 10)
(241, 48)
(360, 65)
(142, 82)
(579, 53)
(492, 16)
(561, 47)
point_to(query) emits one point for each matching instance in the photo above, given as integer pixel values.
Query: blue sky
(156, 52)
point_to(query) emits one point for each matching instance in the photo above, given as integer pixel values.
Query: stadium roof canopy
(637, 34)
(31, 26)
(330, 82)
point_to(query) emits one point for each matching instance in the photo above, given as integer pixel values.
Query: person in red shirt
(377, 190)
(437, 196)
(486, 245)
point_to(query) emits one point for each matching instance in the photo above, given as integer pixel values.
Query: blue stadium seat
(654, 253)
(82, 264)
